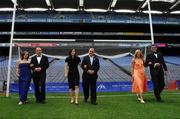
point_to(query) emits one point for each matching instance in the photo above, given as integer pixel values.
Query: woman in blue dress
(23, 72)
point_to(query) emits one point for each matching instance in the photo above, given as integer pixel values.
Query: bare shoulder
(18, 61)
(133, 60)
(29, 60)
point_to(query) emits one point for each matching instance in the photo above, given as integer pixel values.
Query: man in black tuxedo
(157, 66)
(90, 66)
(39, 65)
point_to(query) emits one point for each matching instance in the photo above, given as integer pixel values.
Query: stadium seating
(109, 72)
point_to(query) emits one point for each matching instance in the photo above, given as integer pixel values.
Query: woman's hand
(17, 74)
(65, 75)
(31, 65)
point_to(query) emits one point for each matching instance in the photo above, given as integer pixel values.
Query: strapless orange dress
(139, 81)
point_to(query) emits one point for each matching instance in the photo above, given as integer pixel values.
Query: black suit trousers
(39, 86)
(158, 83)
(90, 82)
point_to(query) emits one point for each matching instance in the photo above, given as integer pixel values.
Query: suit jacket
(152, 58)
(44, 64)
(95, 66)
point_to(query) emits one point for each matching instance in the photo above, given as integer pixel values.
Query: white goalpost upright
(10, 48)
(150, 21)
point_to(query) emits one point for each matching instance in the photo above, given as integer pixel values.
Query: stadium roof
(157, 6)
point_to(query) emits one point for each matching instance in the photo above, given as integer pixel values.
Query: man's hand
(149, 63)
(85, 66)
(90, 72)
(38, 69)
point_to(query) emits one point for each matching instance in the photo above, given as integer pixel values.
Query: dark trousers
(39, 86)
(89, 83)
(158, 83)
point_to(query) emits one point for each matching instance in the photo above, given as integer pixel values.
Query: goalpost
(12, 39)
(10, 49)
(58, 51)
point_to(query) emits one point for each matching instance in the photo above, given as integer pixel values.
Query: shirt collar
(91, 56)
(155, 52)
(38, 55)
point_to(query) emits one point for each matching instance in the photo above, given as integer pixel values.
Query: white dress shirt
(91, 59)
(156, 55)
(39, 59)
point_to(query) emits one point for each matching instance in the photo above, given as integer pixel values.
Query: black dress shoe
(159, 100)
(37, 101)
(85, 100)
(94, 103)
(43, 101)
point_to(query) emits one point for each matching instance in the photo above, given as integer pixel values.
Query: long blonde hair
(135, 57)
(141, 55)
(136, 54)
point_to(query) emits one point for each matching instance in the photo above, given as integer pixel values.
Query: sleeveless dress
(24, 80)
(73, 74)
(139, 82)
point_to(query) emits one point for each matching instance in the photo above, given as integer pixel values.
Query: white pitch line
(100, 96)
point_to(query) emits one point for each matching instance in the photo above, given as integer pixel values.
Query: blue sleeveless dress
(24, 80)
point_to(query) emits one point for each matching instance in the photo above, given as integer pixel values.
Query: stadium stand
(109, 72)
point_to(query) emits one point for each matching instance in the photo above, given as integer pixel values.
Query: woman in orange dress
(139, 81)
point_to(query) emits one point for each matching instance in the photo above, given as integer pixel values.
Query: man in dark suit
(157, 66)
(39, 65)
(90, 66)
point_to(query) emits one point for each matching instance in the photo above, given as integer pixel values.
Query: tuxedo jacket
(152, 58)
(44, 64)
(95, 66)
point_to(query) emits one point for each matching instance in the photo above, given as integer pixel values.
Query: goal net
(115, 60)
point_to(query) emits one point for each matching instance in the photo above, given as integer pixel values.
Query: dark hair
(153, 45)
(71, 51)
(23, 53)
(138, 48)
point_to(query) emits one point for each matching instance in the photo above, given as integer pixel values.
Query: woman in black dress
(72, 73)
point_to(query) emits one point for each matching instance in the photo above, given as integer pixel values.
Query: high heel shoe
(76, 101)
(72, 100)
(20, 103)
(142, 101)
(138, 98)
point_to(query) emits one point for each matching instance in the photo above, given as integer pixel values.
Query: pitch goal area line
(99, 96)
